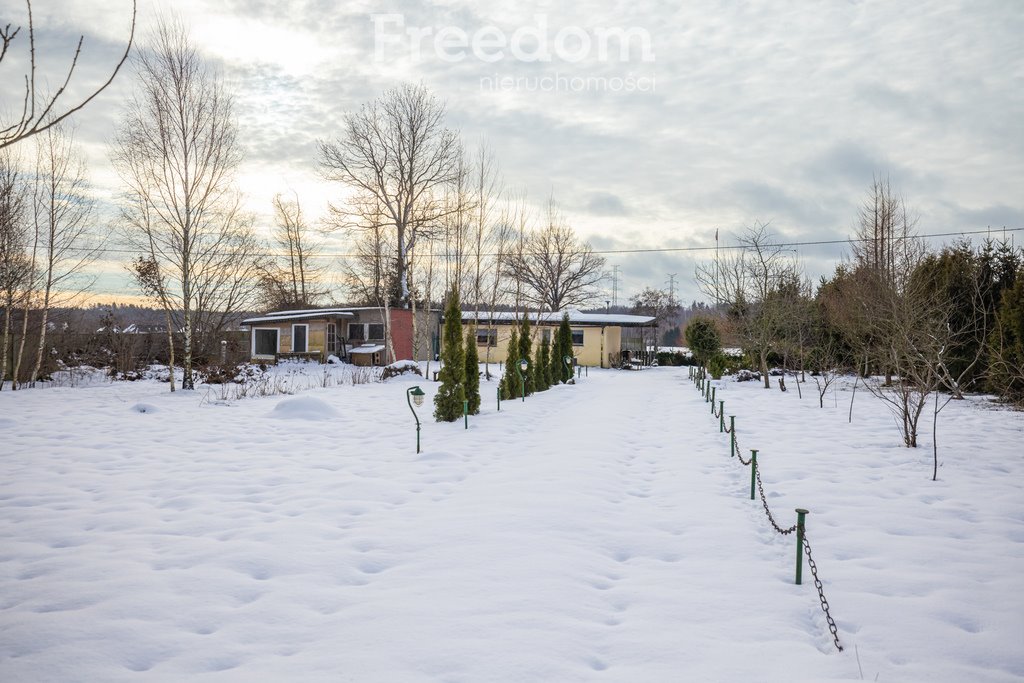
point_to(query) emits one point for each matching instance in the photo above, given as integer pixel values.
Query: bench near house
(356, 334)
(598, 339)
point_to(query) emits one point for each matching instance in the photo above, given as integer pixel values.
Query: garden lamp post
(523, 366)
(415, 395)
(568, 368)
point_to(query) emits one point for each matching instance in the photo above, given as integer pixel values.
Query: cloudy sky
(718, 113)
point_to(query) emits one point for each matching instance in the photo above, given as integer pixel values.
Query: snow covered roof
(367, 348)
(553, 318)
(279, 316)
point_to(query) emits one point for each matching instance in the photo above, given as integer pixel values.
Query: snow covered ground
(596, 532)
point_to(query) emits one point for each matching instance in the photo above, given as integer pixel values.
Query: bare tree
(15, 267)
(757, 282)
(485, 235)
(41, 112)
(554, 268)
(295, 280)
(885, 242)
(63, 215)
(396, 152)
(146, 272)
(176, 151)
(660, 305)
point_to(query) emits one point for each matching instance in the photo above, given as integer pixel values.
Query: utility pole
(672, 286)
(718, 294)
(615, 285)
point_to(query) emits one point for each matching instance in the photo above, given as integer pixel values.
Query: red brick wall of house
(401, 333)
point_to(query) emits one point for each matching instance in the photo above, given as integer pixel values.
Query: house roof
(367, 348)
(553, 318)
(281, 316)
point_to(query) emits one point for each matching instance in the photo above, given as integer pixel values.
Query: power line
(651, 250)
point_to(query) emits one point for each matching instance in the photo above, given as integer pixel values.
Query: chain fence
(700, 382)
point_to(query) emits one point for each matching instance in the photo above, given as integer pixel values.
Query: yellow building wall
(600, 344)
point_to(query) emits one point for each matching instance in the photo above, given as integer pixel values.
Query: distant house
(321, 332)
(598, 339)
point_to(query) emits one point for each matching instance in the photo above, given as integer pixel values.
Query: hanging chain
(821, 593)
(764, 501)
(833, 629)
(738, 451)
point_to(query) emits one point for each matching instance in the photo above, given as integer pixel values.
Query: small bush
(400, 368)
(718, 365)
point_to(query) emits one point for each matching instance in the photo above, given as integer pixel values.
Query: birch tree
(63, 214)
(176, 151)
(15, 267)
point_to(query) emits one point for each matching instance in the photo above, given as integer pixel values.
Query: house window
(356, 331)
(264, 341)
(332, 338)
(300, 336)
(546, 335)
(376, 331)
(486, 337)
(577, 337)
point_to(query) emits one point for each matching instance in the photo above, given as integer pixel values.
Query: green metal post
(753, 471)
(800, 513)
(465, 412)
(732, 435)
(499, 399)
(713, 400)
(408, 399)
(579, 371)
(721, 417)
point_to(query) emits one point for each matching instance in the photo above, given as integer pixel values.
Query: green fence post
(721, 417)
(713, 400)
(732, 435)
(800, 512)
(499, 399)
(753, 471)
(465, 412)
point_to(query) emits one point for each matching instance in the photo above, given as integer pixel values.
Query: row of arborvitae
(460, 365)
(546, 366)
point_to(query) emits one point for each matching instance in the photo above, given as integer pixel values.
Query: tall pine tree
(510, 380)
(472, 374)
(448, 401)
(525, 352)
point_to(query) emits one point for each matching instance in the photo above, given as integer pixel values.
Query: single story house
(598, 339)
(321, 332)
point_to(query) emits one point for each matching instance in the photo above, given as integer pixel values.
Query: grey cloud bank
(762, 111)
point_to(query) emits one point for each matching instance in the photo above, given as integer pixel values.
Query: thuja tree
(472, 374)
(510, 380)
(543, 364)
(562, 348)
(703, 339)
(525, 352)
(448, 401)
